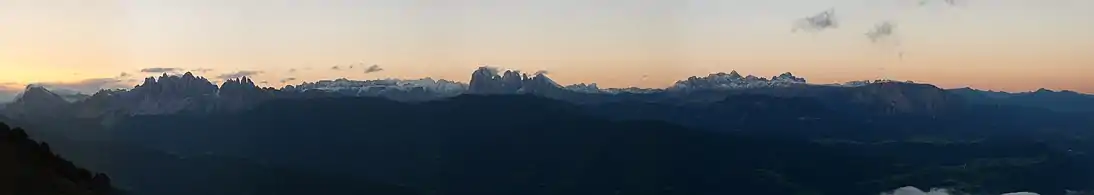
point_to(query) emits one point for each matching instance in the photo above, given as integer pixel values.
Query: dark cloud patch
(881, 31)
(336, 67)
(202, 70)
(286, 80)
(373, 68)
(124, 75)
(818, 22)
(238, 74)
(160, 70)
(264, 82)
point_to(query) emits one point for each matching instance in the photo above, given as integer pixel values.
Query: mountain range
(507, 132)
(187, 93)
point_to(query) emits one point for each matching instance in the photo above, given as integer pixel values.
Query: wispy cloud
(292, 70)
(124, 75)
(373, 68)
(286, 80)
(238, 74)
(160, 70)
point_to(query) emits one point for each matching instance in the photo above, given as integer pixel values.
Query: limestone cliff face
(488, 81)
(168, 94)
(901, 98)
(239, 94)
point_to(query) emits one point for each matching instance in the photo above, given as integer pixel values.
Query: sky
(1011, 45)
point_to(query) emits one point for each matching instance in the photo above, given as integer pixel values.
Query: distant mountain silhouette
(1068, 101)
(36, 102)
(187, 93)
(30, 167)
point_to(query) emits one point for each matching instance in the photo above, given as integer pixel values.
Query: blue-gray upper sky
(1015, 45)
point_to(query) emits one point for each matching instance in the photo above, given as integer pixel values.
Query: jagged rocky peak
(106, 93)
(242, 82)
(733, 74)
(186, 85)
(734, 80)
(513, 80)
(36, 101)
(788, 77)
(485, 80)
(39, 94)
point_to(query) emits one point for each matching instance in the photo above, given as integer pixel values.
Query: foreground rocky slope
(30, 167)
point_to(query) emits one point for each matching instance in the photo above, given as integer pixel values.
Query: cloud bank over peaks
(86, 86)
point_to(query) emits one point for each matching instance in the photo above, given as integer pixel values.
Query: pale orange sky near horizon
(1011, 45)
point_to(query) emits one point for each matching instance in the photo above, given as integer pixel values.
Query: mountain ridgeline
(513, 133)
(30, 167)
